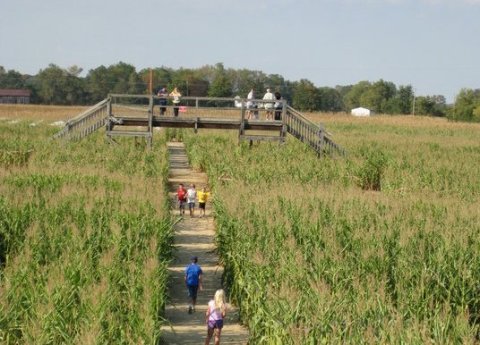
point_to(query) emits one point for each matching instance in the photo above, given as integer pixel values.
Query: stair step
(129, 133)
(261, 138)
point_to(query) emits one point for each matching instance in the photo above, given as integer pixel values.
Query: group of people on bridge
(273, 103)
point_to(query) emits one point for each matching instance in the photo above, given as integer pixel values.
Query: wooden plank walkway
(194, 236)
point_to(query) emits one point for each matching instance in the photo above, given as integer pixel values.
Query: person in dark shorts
(191, 199)
(182, 198)
(193, 280)
(278, 106)
(203, 196)
(176, 100)
(162, 101)
(214, 316)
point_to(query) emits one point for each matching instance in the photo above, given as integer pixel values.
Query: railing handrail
(319, 132)
(308, 121)
(90, 110)
(294, 122)
(79, 121)
(201, 98)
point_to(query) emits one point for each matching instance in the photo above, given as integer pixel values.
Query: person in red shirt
(182, 198)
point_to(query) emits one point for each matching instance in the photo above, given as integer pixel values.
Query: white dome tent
(361, 112)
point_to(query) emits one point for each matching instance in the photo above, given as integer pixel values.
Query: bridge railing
(189, 106)
(310, 133)
(86, 123)
(117, 106)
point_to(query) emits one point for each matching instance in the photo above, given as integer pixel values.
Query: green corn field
(379, 247)
(85, 239)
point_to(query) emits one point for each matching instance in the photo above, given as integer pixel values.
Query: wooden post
(150, 121)
(321, 138)
(150, 84)
(241, 130)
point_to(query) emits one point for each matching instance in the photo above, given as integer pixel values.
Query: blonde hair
(219, 300)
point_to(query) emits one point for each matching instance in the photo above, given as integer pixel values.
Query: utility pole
(150, 83)
(413, 108)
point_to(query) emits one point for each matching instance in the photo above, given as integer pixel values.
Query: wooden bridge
(138, 115)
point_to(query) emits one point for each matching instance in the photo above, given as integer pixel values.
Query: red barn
(14, 96)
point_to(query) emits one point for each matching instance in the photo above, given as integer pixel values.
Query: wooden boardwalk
(134, 118)
(194, 236)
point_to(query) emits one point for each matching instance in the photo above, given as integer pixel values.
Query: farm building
(14, 96)
(361, 112)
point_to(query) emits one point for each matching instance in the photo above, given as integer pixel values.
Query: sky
(432, 45)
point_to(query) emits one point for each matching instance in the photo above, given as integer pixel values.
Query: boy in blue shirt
(193, 279)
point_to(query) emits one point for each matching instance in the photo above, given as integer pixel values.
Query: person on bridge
(269, 105)
(162, 93)
(238, 102)
(176, 100)
(182, 198)
(214, 316)
(193, 280)
(251, 105)
(278, 106)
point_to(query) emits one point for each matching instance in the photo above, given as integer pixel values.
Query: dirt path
(194, 236)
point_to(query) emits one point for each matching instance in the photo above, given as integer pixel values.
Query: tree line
(65, 86)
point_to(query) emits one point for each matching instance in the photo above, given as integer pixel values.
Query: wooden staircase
(142, 124)
(310, 133)
(85, 123)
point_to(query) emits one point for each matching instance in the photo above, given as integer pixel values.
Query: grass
(313, 257)
(34, 112)
(85, 236)
(313, 254)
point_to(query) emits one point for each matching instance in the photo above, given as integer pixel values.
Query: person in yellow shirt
(203, 196)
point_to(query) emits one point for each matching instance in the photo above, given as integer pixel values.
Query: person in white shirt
(191, 198)
(251, 105)
(269, 96)
(238, 102)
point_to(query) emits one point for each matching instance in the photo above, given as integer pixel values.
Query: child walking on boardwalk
(182, 198)
(203, 196)
(193, 280)
(214, 316)
(191, 199)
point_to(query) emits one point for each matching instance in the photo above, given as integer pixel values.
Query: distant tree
(424, 105)
(180, 79)
(11, 79)
(466, 105)
(276, 83)
(430, 105)
(74, 71)
(125, 79)
(222, 84)
(99, 84)
(162, 77)
(192, 82)
(244, 80)
(119, 78)
(378, 95)
(306, 96)
(440, 108)
(48, 85)
(476, 114)
(329, 99)
(405, 99)
(352, 98)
